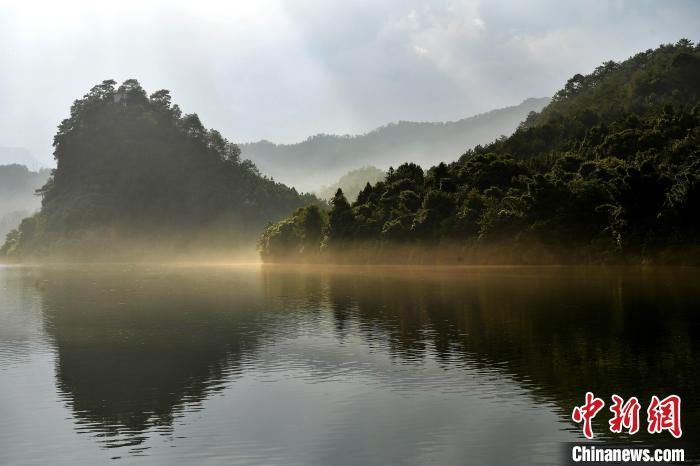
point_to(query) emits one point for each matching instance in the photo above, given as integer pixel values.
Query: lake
(251, 364)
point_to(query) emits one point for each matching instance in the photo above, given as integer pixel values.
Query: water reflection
(557, 331)
(21, 331)
(133, 346)
(137, 348)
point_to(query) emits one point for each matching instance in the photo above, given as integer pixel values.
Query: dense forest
(17, 197)
(323, 158)
(352, 182)
(135, 173)
(608, 172)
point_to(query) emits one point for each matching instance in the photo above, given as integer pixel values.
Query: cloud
(286, 69)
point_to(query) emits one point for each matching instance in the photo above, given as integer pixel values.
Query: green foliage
(135, 165)
(26, 238)
(295, 238)
(608, 172)
(340, 219)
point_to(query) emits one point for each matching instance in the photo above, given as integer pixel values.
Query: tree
(340, 219)
(607, 172)
(138, 168)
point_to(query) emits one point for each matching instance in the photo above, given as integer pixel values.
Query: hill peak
(323, 158)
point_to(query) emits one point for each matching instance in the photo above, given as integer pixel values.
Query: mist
(17, 194)
(348, 231)
(320, 160)
(283, 71)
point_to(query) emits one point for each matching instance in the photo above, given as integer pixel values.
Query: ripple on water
(242, 367)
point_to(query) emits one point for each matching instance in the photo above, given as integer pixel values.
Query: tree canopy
(607, 172)
(130, 164)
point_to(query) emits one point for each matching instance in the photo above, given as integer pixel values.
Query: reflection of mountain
(137, 347)
(558, 332)
(21, 330)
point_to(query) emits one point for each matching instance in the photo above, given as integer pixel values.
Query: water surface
(155, 364)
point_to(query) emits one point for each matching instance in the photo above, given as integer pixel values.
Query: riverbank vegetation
(608, 172)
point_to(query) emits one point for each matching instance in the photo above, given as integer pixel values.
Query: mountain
(352, 182)
(17, 198)
(323, 158)
(608, 172)
(17, 155)
(135, 176)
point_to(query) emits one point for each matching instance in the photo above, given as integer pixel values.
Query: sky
(283, 70)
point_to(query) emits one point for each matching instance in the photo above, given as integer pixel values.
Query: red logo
(587, 412)
(665, 415)
(661, 415)
(624, 415)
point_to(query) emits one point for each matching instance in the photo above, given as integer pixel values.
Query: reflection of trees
(558, 332)
(135, 347)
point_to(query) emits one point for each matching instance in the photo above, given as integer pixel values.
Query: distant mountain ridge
(17, 198)
(18, 155)
(352, 182)
(608, 172)
(324, 158)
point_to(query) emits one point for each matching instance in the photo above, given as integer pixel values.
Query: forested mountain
(608, 172)
(352, 182)
(134, 172)
(323, 158)
(18, 156)
(17, 197)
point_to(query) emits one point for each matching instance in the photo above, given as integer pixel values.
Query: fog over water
(163, 364)
(171, 302)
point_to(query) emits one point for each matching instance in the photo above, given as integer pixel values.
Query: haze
(285, 70)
